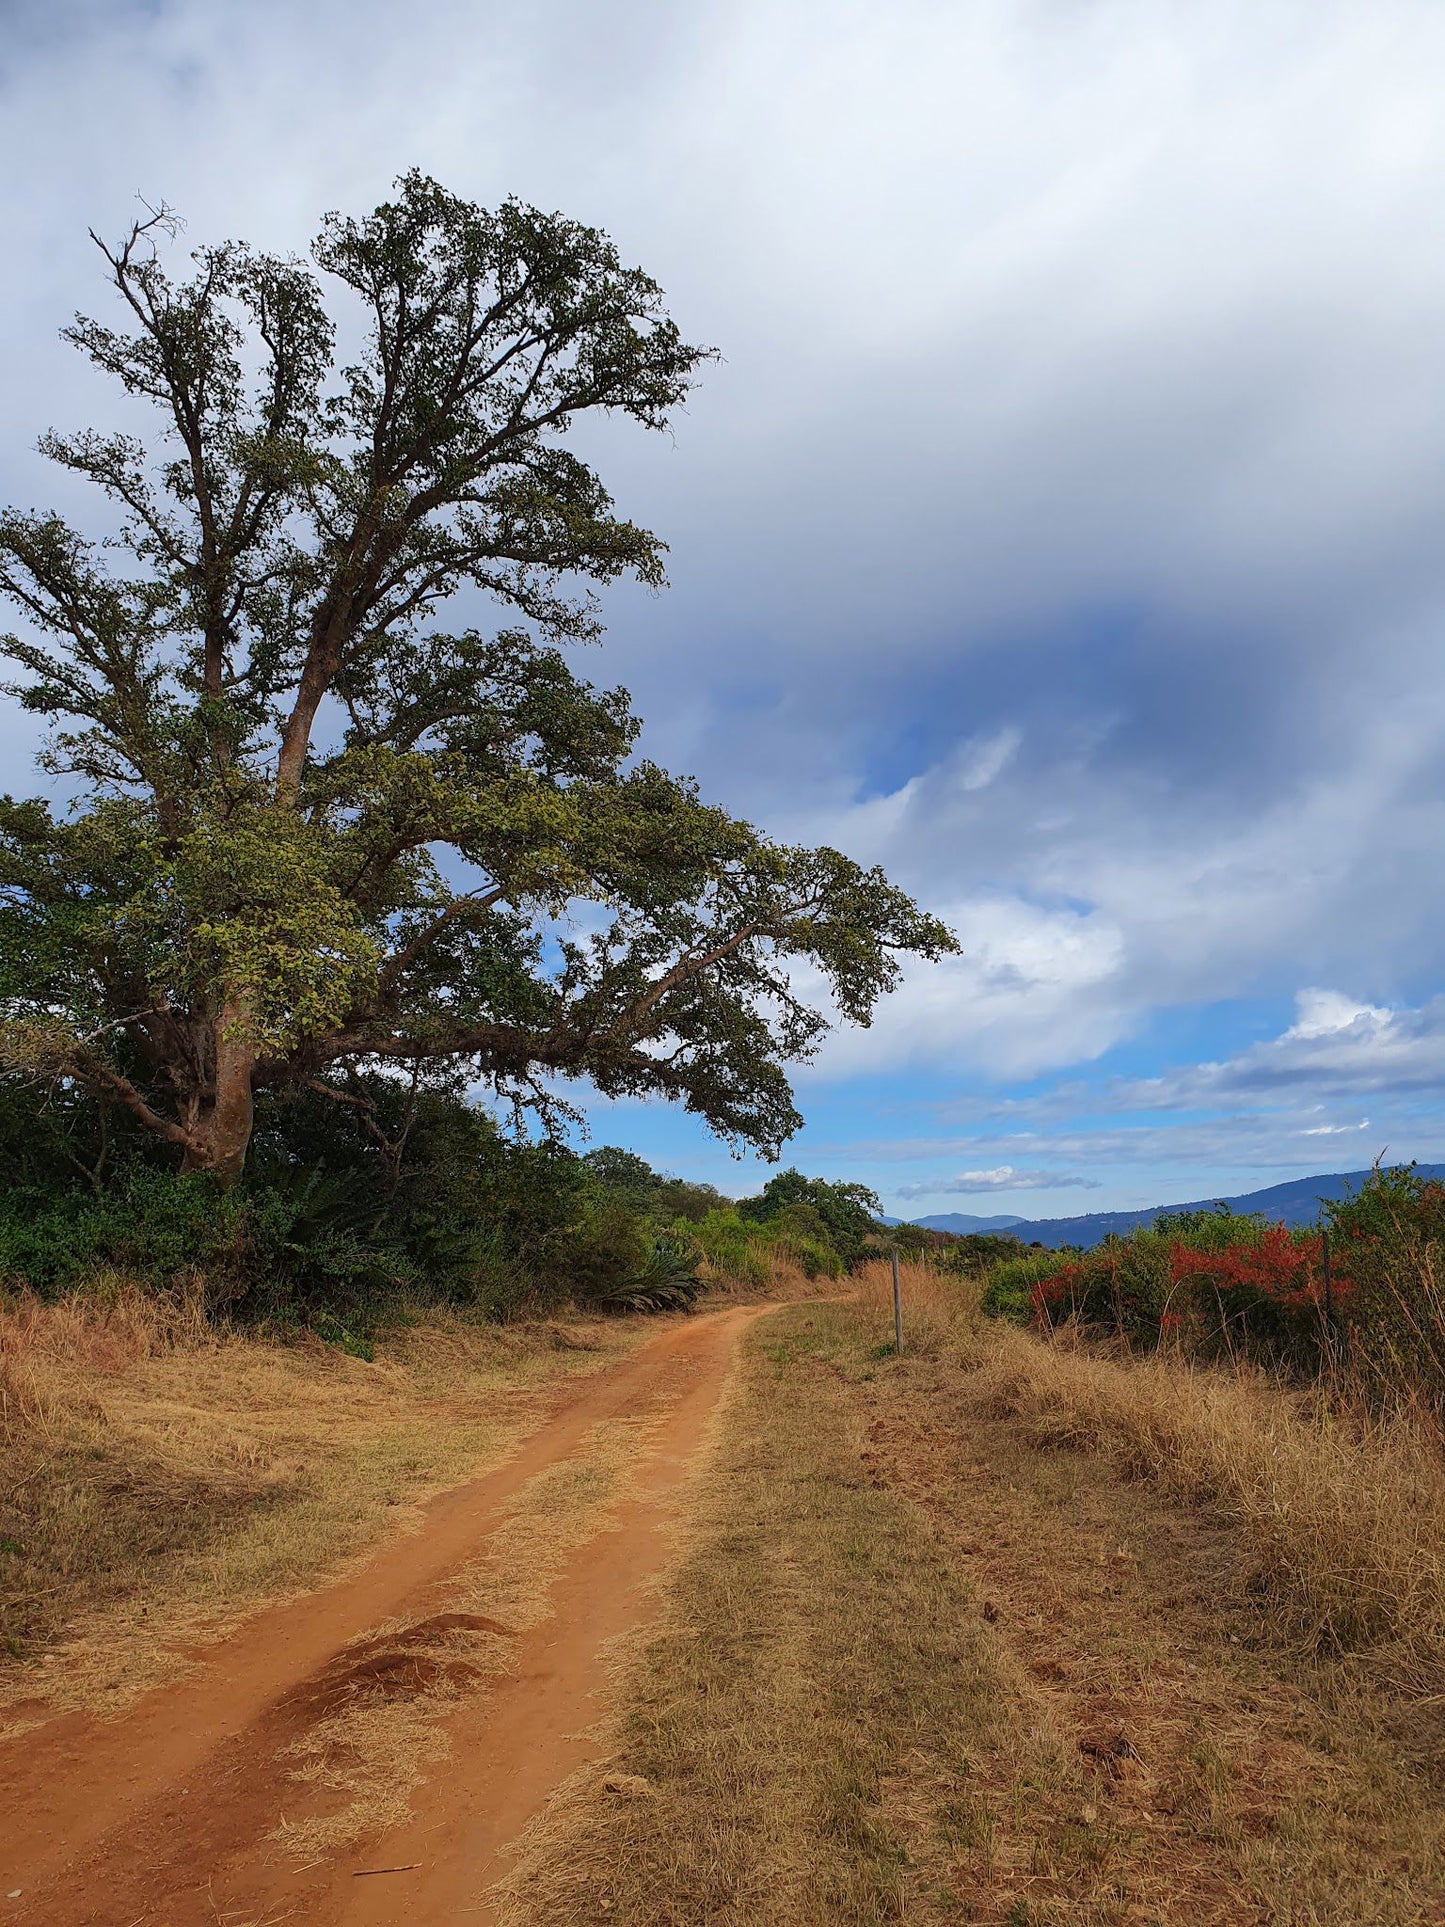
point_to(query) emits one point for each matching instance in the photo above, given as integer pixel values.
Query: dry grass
(779, 1281)
(940, 1311)
(162, 1477)
(1343, 1514)
(1344, 1519)
(927, 1657)
(1225, 1780)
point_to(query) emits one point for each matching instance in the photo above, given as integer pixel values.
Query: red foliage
(1285, 1268)
(1052, 1296)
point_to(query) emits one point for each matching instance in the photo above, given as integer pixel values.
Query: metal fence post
(897, 1309)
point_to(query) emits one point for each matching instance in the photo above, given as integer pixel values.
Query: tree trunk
(225, 1125)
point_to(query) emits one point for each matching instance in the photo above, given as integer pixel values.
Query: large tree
(312, 832)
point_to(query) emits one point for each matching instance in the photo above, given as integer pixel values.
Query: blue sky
(1061, 527)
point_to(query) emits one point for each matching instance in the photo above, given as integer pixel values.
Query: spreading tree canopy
(313, 832)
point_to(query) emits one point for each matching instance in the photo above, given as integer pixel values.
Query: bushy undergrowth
(1009, 1284)
(350, 1214)
(1221, 1286)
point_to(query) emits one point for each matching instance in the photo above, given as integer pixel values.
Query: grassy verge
(1340, 1513)
(1342, 1517)
(161, 1477)
(934, 1652)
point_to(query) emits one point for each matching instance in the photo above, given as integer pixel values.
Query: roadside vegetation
(1119, 1596)
(1288, 1381)
(1356, 1302)
(328, 1233)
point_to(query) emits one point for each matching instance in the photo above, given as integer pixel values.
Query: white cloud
(1002, 1178)
(1030, 991)
(1325, 1013)
(1336, 1050)
(1070, 490)
(981, 759)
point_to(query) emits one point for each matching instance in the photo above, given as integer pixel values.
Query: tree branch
(462, 907)
(124, 1092)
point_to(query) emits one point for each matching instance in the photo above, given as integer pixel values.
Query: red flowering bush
(1120, 1286)
(1228, 1286)
(1214, 1280)
(1267, 1294)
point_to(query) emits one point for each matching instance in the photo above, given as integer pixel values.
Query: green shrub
(1388, 1244)
(349, 1212)
(736, 1252)
(843, 1215)
(156, 1225)
(667, 1281)
(977, 1252)
(799, 1235)
(1009, 1283)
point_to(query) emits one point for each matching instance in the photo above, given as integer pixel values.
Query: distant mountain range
(960, 1222)
(1297, 1202)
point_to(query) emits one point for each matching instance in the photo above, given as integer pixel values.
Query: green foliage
(330, 1329)
(1009, 1282)
(667, 1279)
(335, 1228)
(843, 1214)
(975, 1251)
(1389, 1260)
(911, 1241)
(733, 1247)
(1122, 1286)
(288, 1250)
(1214, 1229)
(154, 1224)
(662, 1198)
(1393, 1206)
(332, 1229)
(801, 1236)
(240, 908)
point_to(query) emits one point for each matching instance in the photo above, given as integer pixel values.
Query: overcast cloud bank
(1061, 528)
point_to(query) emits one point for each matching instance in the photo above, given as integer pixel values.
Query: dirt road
(198, 1805)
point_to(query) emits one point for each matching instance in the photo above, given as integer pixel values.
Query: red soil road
(162, 1818)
